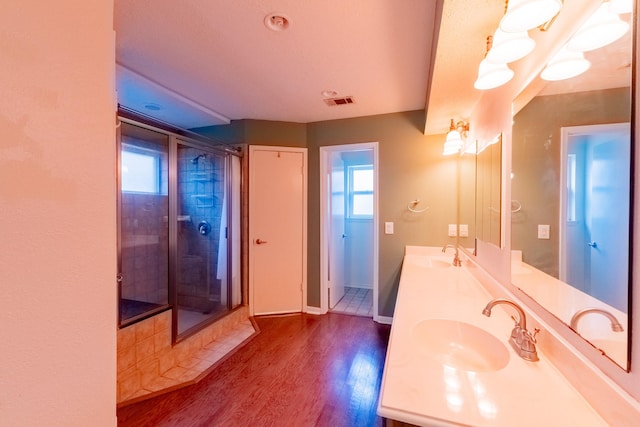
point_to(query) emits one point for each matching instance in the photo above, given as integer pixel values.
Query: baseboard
(314, 310)
(385, 320)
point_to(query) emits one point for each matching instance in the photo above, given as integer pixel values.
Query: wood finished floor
(299, 371)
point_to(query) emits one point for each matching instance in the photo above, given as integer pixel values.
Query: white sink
(432, 262)
(460, 345)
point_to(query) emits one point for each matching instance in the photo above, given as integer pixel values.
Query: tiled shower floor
(358, 301)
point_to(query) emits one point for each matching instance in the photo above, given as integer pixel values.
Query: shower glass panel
(202, 285)
(143, 226)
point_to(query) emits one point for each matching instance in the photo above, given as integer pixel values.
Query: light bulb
(602, 28)
(523, 15)
(492, 75)
(509, 47)
(565, 65)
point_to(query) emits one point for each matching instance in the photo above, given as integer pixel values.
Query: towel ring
(412, 206)
(517, 204)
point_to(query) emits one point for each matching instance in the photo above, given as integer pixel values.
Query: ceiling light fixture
(492, 75)
(329, 93)
(523, 15)
(564, 65)
(602, 28)
(509, 47)
(276, 22)
(454, 141)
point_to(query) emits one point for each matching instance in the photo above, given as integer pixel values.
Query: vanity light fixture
(491, 75)
(523, 15)
(454, 141)
(509, 47)
(564, 65)
(602, 28)
(621, 6)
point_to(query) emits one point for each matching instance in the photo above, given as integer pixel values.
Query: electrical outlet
(543, 231)
(464, 230)
(453, 230)
(388, 228)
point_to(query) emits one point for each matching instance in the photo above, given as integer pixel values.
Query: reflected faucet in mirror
(522, 341)
(456, 258)
(616, 326)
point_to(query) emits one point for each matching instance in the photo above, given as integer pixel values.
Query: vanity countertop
(419, 389)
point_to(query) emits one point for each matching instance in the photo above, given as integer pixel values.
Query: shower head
(195, 160)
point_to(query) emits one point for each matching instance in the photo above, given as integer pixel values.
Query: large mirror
(570, 198)
(467, 201)
(489, 190)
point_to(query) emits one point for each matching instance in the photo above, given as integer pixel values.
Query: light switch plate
(464, 230)
(543, 231)
(453, 230)
(388, 228)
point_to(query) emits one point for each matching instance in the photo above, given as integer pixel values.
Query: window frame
(351, 169)
(157, 167)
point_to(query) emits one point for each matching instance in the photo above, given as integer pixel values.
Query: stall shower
(179, 229)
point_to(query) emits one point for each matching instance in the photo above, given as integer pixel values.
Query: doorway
(348, 232)
(594, 210)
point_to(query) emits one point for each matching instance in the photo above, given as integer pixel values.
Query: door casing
(325, 168)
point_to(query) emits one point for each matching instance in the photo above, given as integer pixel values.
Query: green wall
(411, 166)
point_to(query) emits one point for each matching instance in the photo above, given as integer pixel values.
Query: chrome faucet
(616, 326)
(522, 341)
(456, 258)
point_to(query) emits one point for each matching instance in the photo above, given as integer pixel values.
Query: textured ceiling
(218, 60)
(208, 62)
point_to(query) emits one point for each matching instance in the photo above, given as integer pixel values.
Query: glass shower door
(143, 223)
(202, 286)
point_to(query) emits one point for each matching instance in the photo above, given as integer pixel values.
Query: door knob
(260, 242)
(593, 244)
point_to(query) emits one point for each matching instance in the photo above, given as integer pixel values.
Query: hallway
(300, 370)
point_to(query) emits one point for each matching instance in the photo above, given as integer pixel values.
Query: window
(360, 191)
(140, 170)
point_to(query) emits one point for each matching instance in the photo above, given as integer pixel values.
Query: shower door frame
(201, 143)
(174, 141)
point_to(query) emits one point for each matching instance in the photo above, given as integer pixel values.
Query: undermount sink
(432, 262)
(460, 345)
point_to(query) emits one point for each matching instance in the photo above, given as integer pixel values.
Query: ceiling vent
(346, 100)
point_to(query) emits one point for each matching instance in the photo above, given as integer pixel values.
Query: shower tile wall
(145, 249)
(201, 193)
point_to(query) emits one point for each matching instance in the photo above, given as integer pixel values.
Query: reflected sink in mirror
(432, 262)
(460, 345)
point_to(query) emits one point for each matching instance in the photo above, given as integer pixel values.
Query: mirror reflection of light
(454, 401)
(452, 383)
(487, 408)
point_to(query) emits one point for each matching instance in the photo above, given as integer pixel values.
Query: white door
(336, 254)
(277, 229)
(596, 211)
